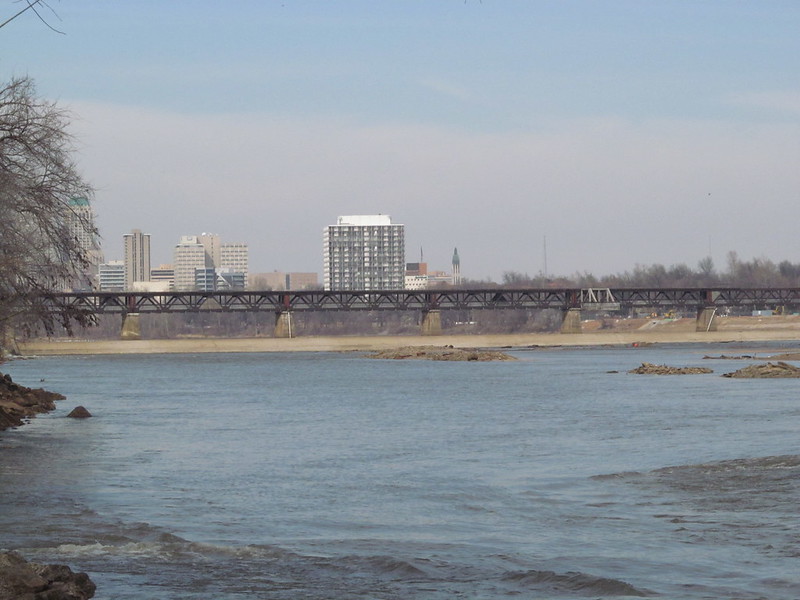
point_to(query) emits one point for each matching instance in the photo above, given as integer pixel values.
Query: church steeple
(456, 268)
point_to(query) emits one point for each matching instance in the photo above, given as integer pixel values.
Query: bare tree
(40, 247)
(33, 6)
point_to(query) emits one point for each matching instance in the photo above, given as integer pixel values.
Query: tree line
(753, 273)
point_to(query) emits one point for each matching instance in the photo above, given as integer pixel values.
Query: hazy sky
(623, 132)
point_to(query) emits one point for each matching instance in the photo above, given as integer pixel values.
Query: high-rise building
(211, 245)
(188, 256)
(202, 262)
(364, 252)
(234, 258)
(79, 219)
(137, 257)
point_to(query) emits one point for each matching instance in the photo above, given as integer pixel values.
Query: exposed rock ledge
(651, 369)
(21, 580)
(786, 356)
(19, 403)
(441, 353)
(766, 371)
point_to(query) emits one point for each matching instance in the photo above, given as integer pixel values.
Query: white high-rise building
(364, 252)
(189, 255)
(137, 257)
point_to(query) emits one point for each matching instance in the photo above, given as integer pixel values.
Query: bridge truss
(424, 300)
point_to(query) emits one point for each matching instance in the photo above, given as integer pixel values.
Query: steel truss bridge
(425, 300)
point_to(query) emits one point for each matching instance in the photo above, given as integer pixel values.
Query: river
(330, 475)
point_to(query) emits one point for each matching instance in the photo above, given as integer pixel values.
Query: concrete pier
(131, 327)
(705, 319)
(571, 321)
(431, 323)
(283, 325)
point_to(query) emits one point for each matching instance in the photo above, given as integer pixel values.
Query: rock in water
(651, 369)
(21, 579)
(440, 353)
(79, 412)
(767, 371)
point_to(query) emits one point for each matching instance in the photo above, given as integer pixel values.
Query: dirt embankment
(441, 353)
(19, 403)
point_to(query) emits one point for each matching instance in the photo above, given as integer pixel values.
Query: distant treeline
(757, 272)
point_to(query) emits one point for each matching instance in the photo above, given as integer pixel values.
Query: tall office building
(211, 245)
(235, 258)
(79, 219)
(189, 255)
(364, 252)
(202, 262)
(137, 257)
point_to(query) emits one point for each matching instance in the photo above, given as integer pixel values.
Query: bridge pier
(431, 322)
(131, 327)
(705, 319)
(571, 321)
(284, 327)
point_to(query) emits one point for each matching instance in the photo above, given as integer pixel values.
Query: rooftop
(364, 220)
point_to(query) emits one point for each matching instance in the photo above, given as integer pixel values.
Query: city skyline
(624, 132)
(213, 253)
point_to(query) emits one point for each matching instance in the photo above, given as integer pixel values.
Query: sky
(562, 136)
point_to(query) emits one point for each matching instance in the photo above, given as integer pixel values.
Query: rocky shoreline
(21, 580)
(18, 404)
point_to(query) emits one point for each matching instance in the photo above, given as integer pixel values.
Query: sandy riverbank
(742, 329)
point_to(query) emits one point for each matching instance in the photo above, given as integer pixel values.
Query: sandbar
(646, 336)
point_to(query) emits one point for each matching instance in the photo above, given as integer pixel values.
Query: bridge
(571, 301)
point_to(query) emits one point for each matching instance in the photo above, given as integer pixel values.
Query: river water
(330, 475)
